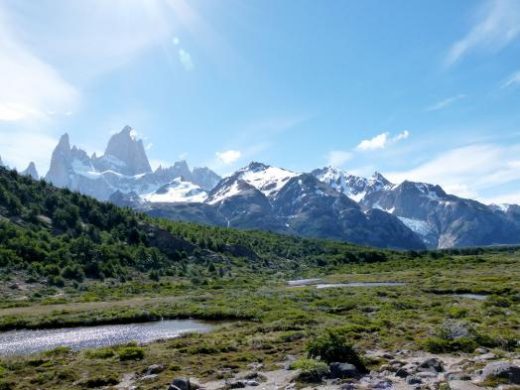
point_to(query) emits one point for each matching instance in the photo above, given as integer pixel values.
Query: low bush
(130, 353)
(332, 346)
(310, 370)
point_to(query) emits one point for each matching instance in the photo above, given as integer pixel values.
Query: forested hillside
(63, 236)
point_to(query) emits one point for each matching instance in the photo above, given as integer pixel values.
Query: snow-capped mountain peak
(265, 178)
(355, 187)
(124, 167)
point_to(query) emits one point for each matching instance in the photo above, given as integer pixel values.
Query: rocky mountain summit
(123, 168)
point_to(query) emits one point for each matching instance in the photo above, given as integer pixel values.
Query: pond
(303, 282)
(360, 284)
(24, 342)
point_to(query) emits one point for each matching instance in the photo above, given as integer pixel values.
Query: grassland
(266, 320)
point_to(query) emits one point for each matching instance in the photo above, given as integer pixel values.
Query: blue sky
(426, 90)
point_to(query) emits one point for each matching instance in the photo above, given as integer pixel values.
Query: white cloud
(31, 88)
(467, 171)
(185, 59)
(336, 158)
(445, 103)
(381, 141)
(497, 25)
(18, 148)
(229, 156)
(512, 81)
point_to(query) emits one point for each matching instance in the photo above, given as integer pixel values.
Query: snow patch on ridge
(177, 191)
(423, 228)
(269, 180)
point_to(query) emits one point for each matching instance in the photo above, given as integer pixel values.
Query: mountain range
(325, 203)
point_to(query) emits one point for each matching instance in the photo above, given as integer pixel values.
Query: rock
(343, 370)
(432, 364)
(402, 373)
(502, 370)
(481, 350)
(184, 384)
(487, 356)
(154, 369)
(463, 385)
(413, 380)
(426, 375)
(149, 378)
(385, 384)
(255, 366)
(254, 376)
(457, 376)
(241, 383)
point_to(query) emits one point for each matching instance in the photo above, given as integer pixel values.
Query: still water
(23, 342)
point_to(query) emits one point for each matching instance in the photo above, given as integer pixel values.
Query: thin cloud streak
(512, 81)
(497, 26)
(445, 103)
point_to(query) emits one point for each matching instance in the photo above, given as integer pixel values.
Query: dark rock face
(343, 370)
(502, 370)
(442, 220)
(432, 364)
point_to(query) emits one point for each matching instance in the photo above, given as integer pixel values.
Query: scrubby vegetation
(96, 264)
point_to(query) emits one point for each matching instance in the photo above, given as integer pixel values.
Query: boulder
(458, 376)
(154, 369)
(242, 383)
(184, 384)
(502, 370)
(343, 370)
(432, 364)
(413, 380)
(402, 373)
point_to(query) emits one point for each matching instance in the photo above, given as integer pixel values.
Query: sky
(425, 91)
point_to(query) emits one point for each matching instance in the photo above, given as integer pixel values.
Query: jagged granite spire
(31, 171)
(60, 163)
(127, 153)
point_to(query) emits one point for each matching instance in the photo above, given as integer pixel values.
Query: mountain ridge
(327, 202)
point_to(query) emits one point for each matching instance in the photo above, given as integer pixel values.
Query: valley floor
(267, 323)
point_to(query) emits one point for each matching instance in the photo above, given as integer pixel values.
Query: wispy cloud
(381, 141)
(184, 56)
(336, 158)
(31, 88)
(228, 157)
(18, 148)
(497, 24)
(512, 81)
(445, 103)
(467, 171)
(185, 59)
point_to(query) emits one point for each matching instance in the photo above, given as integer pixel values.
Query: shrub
(441, 345)
(311, 370)
(332, 346)
(130, 353)
(102, 353)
